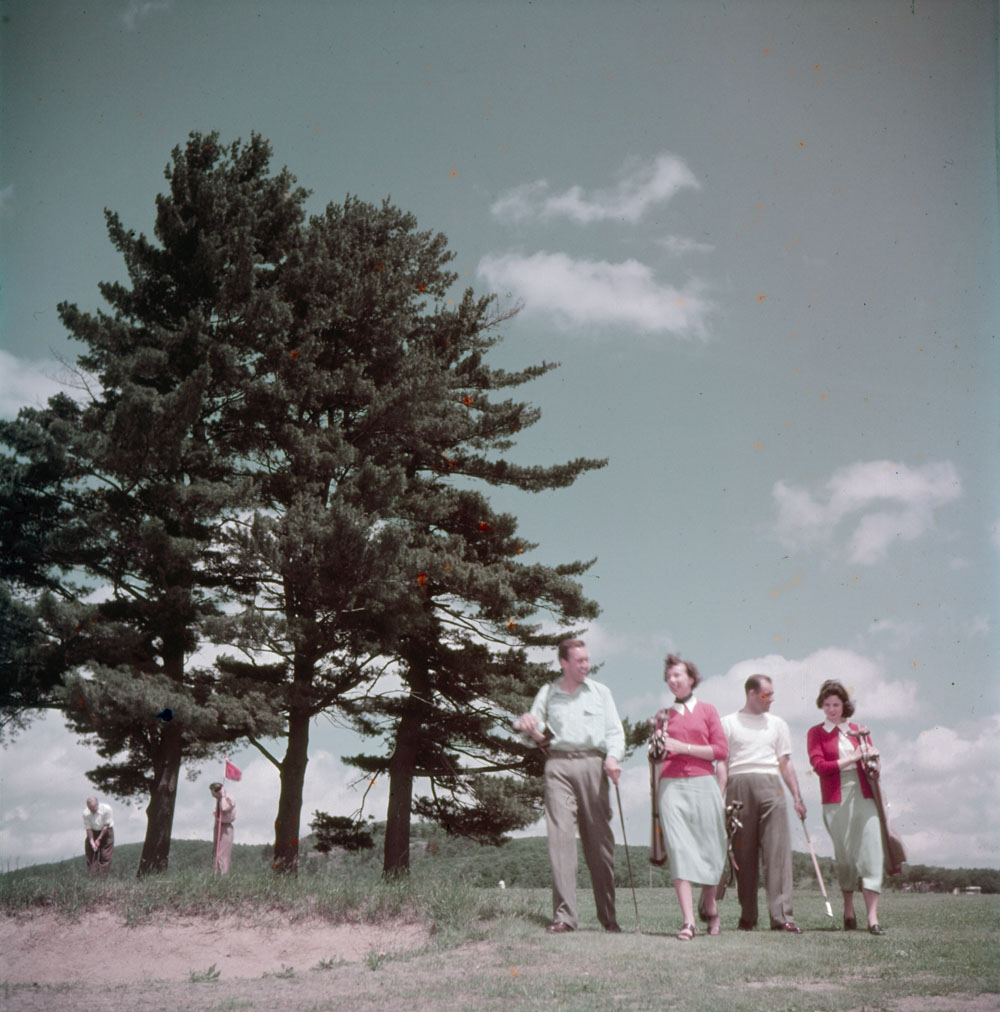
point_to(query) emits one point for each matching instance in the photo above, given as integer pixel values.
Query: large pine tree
(281, 449)
(367, 427)
(113, 504)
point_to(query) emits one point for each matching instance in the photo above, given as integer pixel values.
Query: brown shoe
(790, 926)
(558, 928)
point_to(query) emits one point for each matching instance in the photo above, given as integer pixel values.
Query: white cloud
(640, 185)
(43, 790)
(138, 9)
(796, 683)
(941, 787)
(25, 383)
(598, 293)
(912, 494)
(679, 245)
(900, 633)
(6, 198)
(940, 782)
(979, 625)
(43, 793)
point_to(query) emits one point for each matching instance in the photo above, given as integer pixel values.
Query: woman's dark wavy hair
(831, 687)
(673, 659)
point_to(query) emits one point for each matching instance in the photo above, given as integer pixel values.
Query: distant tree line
(266, 501)
(341, 845)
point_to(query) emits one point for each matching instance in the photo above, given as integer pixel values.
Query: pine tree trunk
(163, 797)
(402, 764)
(293, 775)
(396, 857)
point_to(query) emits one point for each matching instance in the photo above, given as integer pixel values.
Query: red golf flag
(233, 772)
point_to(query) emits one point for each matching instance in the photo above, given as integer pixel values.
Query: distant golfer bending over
(99, 844)
(576, 720)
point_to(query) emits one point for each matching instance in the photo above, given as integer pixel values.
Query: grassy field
(488, 951)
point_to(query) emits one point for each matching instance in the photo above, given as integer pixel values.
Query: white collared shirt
(686, 707)
(99, 819)
(845, 746)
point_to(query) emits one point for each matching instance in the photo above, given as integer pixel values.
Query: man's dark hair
(752, 684)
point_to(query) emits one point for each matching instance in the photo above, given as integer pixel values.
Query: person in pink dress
(690, 800)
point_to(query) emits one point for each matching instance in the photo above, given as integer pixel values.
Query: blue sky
(759, 237)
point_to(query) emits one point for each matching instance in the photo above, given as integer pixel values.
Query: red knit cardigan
(824, 751)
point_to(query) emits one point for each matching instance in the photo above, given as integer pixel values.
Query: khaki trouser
(223, 841)
(577, 797)
(764, 833)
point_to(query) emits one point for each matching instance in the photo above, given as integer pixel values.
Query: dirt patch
(47, 950)
(949, 1003)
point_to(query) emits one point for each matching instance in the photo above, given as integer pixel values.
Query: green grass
(488, 951)
(937, 945)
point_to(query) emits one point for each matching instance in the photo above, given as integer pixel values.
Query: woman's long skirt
(857, 837)
(694, 828)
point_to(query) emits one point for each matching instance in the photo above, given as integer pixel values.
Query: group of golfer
(706, 768)
(99, 827)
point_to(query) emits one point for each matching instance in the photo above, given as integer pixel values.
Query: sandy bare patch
(46, 949)
(949, 1003)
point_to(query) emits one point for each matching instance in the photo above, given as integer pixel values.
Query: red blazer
(824, 751)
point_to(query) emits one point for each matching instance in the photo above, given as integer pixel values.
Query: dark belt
(580, 753)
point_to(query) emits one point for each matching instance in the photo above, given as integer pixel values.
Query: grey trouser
(764, 833)
(577, 796)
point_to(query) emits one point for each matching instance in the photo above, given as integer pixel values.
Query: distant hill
(521, 862)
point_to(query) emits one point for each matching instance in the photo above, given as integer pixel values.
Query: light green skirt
(857, 837)
(694, 828)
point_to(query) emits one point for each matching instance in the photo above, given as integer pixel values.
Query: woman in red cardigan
(837, 755)
(690, 800)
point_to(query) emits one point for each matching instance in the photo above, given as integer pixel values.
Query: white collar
(685, 707)
(843, 726)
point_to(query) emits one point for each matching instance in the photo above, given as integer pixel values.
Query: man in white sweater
(760, 758)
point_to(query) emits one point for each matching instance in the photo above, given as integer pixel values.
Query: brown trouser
(577, 797)
(764, 835)
(99, 859)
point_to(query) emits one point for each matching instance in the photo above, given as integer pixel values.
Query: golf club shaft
(819, 876)
(628, 860)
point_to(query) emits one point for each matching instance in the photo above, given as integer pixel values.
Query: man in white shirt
(760, 758)
(99, 843)
(575, 720)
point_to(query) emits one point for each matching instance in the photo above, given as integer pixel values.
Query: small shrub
(209, 976)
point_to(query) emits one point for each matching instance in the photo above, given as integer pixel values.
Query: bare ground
(48, 964)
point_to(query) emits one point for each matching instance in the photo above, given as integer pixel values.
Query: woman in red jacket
(849, 813)
(690, 801)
